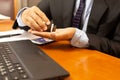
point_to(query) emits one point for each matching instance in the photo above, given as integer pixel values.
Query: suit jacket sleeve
(109, 46)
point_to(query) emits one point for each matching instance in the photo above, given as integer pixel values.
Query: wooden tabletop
(6, 25)
(82, 64)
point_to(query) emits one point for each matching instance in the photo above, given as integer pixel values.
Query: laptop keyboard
(10, 66)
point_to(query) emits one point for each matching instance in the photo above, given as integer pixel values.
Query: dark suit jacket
(103, 28)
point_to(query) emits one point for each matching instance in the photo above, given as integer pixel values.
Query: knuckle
(42, 14)
(33, 7)
(35, 17)
(41, 25)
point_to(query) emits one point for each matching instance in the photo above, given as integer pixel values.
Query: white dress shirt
(19, 19)
(80, 38)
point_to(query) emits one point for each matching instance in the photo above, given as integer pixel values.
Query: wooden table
(82, 64)
(6, 25)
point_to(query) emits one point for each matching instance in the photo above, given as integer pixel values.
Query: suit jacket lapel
(98, 9)
(68, 7)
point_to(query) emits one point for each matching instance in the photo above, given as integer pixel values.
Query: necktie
(78, 17)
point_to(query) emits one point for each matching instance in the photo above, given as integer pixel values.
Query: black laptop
(22, 60)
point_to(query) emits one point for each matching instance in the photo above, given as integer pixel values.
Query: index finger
(42, 15)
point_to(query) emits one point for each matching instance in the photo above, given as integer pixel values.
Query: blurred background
(11, 7)
(29, 3)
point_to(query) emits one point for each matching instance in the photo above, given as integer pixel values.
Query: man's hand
(35, 19)
(59, 34)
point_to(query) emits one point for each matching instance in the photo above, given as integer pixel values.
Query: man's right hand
(35, 19)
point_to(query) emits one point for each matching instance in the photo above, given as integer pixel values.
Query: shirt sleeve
(19, 19)
(80, 39)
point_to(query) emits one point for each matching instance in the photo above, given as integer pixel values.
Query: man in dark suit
(100, 30)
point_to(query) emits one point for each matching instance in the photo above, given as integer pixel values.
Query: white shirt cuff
(19, 19)
(80, 39)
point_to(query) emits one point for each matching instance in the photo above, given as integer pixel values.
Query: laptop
(23, 60)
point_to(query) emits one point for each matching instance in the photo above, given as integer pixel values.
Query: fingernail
(45, 28)
(48, 23)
